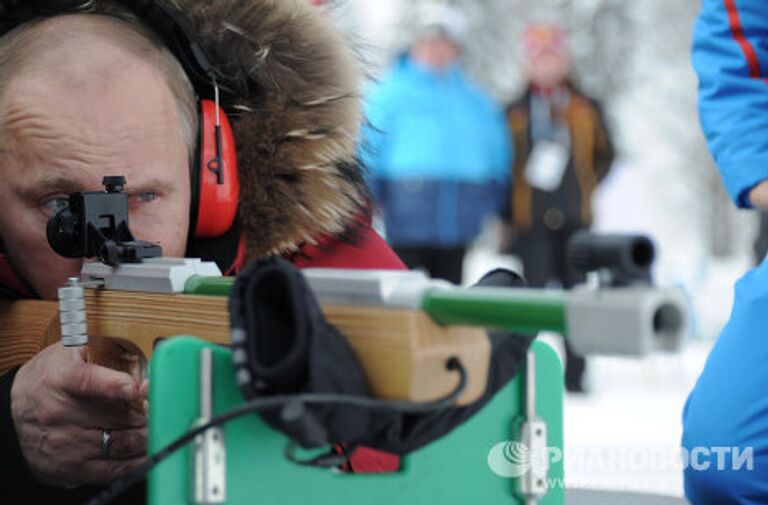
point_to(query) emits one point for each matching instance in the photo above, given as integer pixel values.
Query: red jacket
(370, 252)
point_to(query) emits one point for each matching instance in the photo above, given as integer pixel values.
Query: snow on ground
(625, 434)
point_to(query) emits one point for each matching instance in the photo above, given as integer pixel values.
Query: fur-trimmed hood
(298, 125)
(295, 113)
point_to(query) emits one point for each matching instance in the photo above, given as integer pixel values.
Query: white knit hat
(448, 21)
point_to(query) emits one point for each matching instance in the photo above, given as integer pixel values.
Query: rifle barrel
(524, 311)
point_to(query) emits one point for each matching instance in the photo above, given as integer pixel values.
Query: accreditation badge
(546, 165)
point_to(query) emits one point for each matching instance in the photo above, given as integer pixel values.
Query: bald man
(83, 96)
(81, 99)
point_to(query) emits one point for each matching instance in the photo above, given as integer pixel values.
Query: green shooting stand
(452, 470)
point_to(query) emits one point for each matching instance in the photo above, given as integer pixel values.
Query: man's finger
(96, 382)
(92, 414)
(116, 445)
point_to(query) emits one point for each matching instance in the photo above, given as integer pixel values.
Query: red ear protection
(215, 185)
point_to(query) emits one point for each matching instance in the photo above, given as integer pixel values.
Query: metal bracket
(209, 453)
(154, 275)
(533, 435)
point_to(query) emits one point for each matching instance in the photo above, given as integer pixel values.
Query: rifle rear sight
(94, 224)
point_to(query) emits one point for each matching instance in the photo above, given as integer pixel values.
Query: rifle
(402, 325)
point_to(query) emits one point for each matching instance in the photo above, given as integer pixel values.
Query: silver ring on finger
(106, 443)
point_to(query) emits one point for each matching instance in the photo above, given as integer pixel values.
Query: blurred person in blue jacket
(725, 420)
(438, 150)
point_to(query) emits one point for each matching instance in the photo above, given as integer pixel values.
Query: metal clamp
(533, 435)
(209, 453)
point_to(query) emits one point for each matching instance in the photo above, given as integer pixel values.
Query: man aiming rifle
(100, 88)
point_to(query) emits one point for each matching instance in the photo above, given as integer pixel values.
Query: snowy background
(634, 56)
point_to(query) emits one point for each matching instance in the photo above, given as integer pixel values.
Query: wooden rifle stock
(403, 352)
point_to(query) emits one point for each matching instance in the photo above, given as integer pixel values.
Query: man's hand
(61, 408)
(758, 196)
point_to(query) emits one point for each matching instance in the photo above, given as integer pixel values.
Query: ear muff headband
(163, 20)
(214, 198)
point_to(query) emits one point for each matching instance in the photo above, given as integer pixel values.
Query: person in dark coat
(563, 153)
